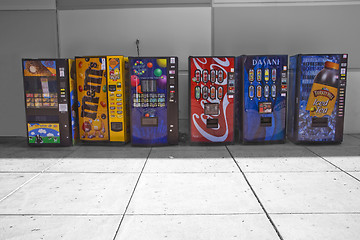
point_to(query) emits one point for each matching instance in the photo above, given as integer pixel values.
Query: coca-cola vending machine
(262, 98)
(212, 99)
(317, 98)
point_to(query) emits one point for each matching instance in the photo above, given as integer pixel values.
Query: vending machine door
(320, 98)
(47, 98)
(212, 97)
(154, 100)
(118, 99)
(92, 98)
(263, 105)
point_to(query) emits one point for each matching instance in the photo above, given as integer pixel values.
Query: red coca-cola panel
(212, 112)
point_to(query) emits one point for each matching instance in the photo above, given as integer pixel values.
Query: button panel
(342, 86)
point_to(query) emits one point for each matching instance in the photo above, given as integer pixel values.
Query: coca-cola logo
(325, 93)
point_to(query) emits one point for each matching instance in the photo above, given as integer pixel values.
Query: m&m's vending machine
(212, 99)
(102, 95)
(263, 98)
(317, 98)
(50, 102)
(154, 100)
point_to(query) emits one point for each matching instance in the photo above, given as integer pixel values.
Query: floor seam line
(334, 165)
(256, 196)
(132, 194)
(36, 175)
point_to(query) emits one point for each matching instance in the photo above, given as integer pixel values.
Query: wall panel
(287, 30)
(24, 34)
(161, 31)
(27, 4)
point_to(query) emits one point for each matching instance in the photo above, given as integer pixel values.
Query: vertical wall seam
(57, 30)
(212, 29)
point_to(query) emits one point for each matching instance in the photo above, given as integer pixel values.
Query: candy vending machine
(154, 100)
(102, 99)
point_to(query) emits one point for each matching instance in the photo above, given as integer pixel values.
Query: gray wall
(23, 34)
(47, 28)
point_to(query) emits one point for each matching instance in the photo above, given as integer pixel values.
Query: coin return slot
(212, 123)
(319, 122)
(265, 121)
(116, 126)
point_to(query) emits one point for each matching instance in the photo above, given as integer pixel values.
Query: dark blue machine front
(153, 91)
(264, 87)
(305, 125)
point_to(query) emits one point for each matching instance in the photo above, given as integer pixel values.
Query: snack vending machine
(317, 98)
(212, 99)
(50, 102)
(263, 98)
(154, 100)
(102, 94)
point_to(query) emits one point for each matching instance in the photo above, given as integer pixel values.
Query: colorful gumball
(157, 72)
(162, 82)
(138, 89)
(161, 62)
(135, 81)
(150, 65)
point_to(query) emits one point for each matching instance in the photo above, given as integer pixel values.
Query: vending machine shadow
(154, 100)
(212, 91)
(262, 98)
(317, 98)
(102, 99)
(50, 102)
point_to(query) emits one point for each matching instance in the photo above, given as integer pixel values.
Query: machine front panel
(92, 98)
(152, 91)
(322, 97)
(264, 98)
(212, 93)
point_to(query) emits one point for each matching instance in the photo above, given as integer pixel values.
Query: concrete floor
(287, 192)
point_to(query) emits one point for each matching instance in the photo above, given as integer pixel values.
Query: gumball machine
(102, 99)
(154, 100)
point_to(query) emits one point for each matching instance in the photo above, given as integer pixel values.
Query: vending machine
(154, 100)
(317, 98)
(212, 99)
(102, 99)
(262, 98)
(50, 102)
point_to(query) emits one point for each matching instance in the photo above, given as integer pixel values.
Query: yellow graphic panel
(92, 97)
(321, 100)
(117, 99)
